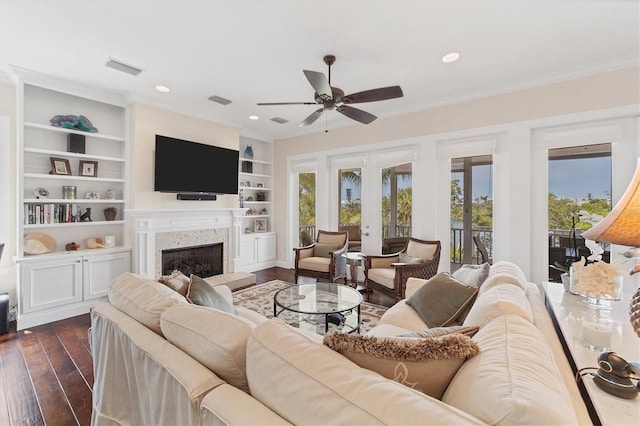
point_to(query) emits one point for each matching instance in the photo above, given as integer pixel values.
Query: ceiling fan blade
(319, 83)
(286, 103)
(380, 94)
(356, 114)
(313, 117)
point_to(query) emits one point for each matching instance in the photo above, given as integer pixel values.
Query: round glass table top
(318, 298)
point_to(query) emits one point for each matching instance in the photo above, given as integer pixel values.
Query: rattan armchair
(324, 258)
(388, 274)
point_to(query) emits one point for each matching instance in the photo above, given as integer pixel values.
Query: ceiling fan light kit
(334, 98)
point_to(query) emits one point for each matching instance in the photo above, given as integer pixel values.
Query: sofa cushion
(442, 301)
(201, 293)
(404, 316)
(217, 339)
(472, 275)
(505, 272)
(499, 300)
(177, 281)
(513, 380)
(323, 250)
(424, 364)
(142, 299)
(305, 382)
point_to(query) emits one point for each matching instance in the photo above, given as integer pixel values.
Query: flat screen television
(194, 168)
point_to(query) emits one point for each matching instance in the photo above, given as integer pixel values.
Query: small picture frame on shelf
(92, 195)
(260, 225)
(88, 168)
(247, 183)
(60, 166)
(242, 184)
(259, 184)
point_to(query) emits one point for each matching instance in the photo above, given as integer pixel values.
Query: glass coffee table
(319, 305)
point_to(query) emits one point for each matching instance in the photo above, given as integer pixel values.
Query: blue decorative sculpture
(73, 122)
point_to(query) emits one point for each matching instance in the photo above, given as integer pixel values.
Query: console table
(567, 313)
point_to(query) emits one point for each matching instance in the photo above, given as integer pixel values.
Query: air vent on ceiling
(220, 100)
(121, 66)
(279, 120)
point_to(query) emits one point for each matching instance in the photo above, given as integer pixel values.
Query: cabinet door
(48, 284)
(99, 270)
(248, 249)
(266, 245)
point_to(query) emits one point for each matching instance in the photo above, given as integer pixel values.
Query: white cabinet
(257, 251)
(67, 177)
(257, 246)
(65, 285)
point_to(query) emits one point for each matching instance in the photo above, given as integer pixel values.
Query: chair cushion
(383, 276)
(142, 299)
(342, 393)
(513, 380)
(217, 339)
(425, 364)
(323, 250)
(319, 264)
(443, 301)
(472, 275)
(201, 293)
(423, 251)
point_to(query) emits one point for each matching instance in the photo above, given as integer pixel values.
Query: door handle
(366, 234)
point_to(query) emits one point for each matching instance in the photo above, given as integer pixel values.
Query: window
(307, 203)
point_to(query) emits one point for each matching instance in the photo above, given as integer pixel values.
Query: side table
(353, 259)
(567, 313)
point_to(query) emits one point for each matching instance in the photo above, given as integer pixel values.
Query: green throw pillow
(201, 293)
(443, 301)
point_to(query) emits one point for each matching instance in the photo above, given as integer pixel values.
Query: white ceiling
(255, 51)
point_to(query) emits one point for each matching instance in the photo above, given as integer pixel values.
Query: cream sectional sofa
(159, 360)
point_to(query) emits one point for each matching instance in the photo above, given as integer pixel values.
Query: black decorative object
(86, 216)
(76, 143)
(247, 167)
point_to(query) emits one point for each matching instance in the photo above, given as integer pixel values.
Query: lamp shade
(622, 225)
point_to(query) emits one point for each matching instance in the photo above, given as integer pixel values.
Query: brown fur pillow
(425, 364)
(176, 281)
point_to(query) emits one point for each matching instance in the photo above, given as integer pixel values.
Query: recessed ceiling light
(254, 117)
(450, 57)
(163, 89)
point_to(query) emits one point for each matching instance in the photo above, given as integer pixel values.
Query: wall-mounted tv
(194, 168)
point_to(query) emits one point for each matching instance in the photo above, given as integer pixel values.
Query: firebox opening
(203, 261)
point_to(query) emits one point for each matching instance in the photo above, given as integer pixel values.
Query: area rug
(259, 298)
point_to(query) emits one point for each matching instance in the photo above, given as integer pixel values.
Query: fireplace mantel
(150, 224)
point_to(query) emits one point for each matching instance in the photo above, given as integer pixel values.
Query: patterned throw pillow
(443, 301)
(176, 281)
(201, 293)
(427, 365)
(472, 275)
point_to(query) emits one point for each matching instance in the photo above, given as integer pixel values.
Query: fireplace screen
(203, 261)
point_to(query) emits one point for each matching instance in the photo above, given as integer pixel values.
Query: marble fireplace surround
(157, 230)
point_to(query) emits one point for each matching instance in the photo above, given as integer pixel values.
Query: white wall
(509, 120)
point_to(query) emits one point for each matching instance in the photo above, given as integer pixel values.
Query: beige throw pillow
(405, 258)
(426, 364)
(443, 301)
(472, 275)
(443, 331)
(323, 250)
(176, 281)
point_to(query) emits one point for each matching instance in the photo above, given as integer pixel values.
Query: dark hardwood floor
(46, 373)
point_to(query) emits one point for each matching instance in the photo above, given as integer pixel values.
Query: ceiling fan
(334, 98)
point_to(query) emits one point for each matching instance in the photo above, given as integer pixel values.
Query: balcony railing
(457, 244)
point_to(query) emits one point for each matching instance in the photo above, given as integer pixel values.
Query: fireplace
(203, 261)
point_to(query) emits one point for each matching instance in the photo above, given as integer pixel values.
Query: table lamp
(622, 226)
